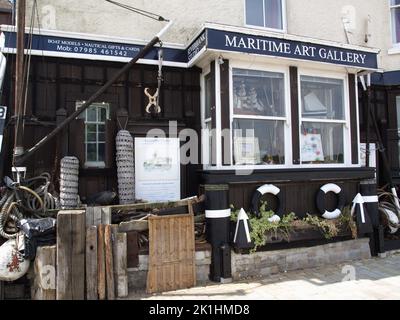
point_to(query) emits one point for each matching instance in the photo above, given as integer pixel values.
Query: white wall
(313, 18)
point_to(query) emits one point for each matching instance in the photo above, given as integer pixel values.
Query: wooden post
(44, 282)
(91, 263)
(71, 231)
(101, 267)
(109, 262)
(120, 262)
(19, 78)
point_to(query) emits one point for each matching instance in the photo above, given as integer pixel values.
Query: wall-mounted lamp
(220, 60)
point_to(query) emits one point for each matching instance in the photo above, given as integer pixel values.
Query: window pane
(396, 24)
(101, 128)
(102, 114)
(322, 143)
(91, 151)
(395, 2)
(254, 12)
(91, 137)
(273, 14)
(102, 151)
(102, 137)
(259, 142)
(322, 98)
(208, 95)
(258, 93)
(91, 114)
(91, 128)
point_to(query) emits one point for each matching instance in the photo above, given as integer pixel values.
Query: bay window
(323, 120)
(258, 117)
(395, 14)
(265, 13)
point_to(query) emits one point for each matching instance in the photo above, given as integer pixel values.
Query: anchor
(153, 101)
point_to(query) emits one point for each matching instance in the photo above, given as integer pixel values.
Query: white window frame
(94, 164)
(284, 19)
(286, 119)
(346, 122)
(395, 42)
(205, 149)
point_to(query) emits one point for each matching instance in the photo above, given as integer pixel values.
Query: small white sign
(157, 169)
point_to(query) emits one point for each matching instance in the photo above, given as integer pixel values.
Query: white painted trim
(346, 123)
(218, 112)
(287, 128)
(396, 45)
(217, 214)
(394, 50)
(370, 199)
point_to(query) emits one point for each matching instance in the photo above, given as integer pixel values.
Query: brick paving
(373, 279)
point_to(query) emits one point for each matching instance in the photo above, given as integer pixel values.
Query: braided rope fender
(69, 182)
(125, 167)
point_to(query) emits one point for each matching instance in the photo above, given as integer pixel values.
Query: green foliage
(261, 226)
(327, 227)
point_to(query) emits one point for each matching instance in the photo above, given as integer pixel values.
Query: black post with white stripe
(218, 216)
(369, 193)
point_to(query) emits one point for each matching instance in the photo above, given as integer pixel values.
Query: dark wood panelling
(294, 100)
(353, 119)
(299, 198)
(225, 114)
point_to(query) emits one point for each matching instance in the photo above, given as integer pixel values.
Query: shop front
(280, 119)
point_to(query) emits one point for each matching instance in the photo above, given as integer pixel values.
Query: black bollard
(218, 217)
(370, 197)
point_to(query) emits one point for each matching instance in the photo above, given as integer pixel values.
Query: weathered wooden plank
(78, 238)
(106, 215)
(89, 216)
(44, 282)
(91, 263)
(64, 248)
(71, 255)
(120, 262)
(109, 262)
(97, 216)
(101, 267)
(134, 225)
(171, 253)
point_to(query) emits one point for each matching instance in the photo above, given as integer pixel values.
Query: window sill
(265, 28)
(394, 50)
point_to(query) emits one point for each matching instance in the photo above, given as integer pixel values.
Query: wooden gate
(171, 253)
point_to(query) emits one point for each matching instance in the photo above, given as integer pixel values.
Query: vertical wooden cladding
(353, 118)
(294, 98)
(171, 253)
(225, 113)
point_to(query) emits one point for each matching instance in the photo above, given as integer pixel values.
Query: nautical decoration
(268, 189)
(242, 238)
(330, 187)
(153, 101)
(12, 263)
(125, 167)
(364, 225)
(69, 182)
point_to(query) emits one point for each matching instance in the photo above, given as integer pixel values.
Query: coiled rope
(31, 199)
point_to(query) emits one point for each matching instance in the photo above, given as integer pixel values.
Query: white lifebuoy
(330, 187)
(267, 189)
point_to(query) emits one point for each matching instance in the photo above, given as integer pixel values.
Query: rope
(142, 12)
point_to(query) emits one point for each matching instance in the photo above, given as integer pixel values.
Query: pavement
(373, 279)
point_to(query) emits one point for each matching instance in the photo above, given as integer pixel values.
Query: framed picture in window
(247, 150)
(311, 148)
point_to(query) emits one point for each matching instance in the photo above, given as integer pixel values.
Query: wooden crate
(171, 253)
